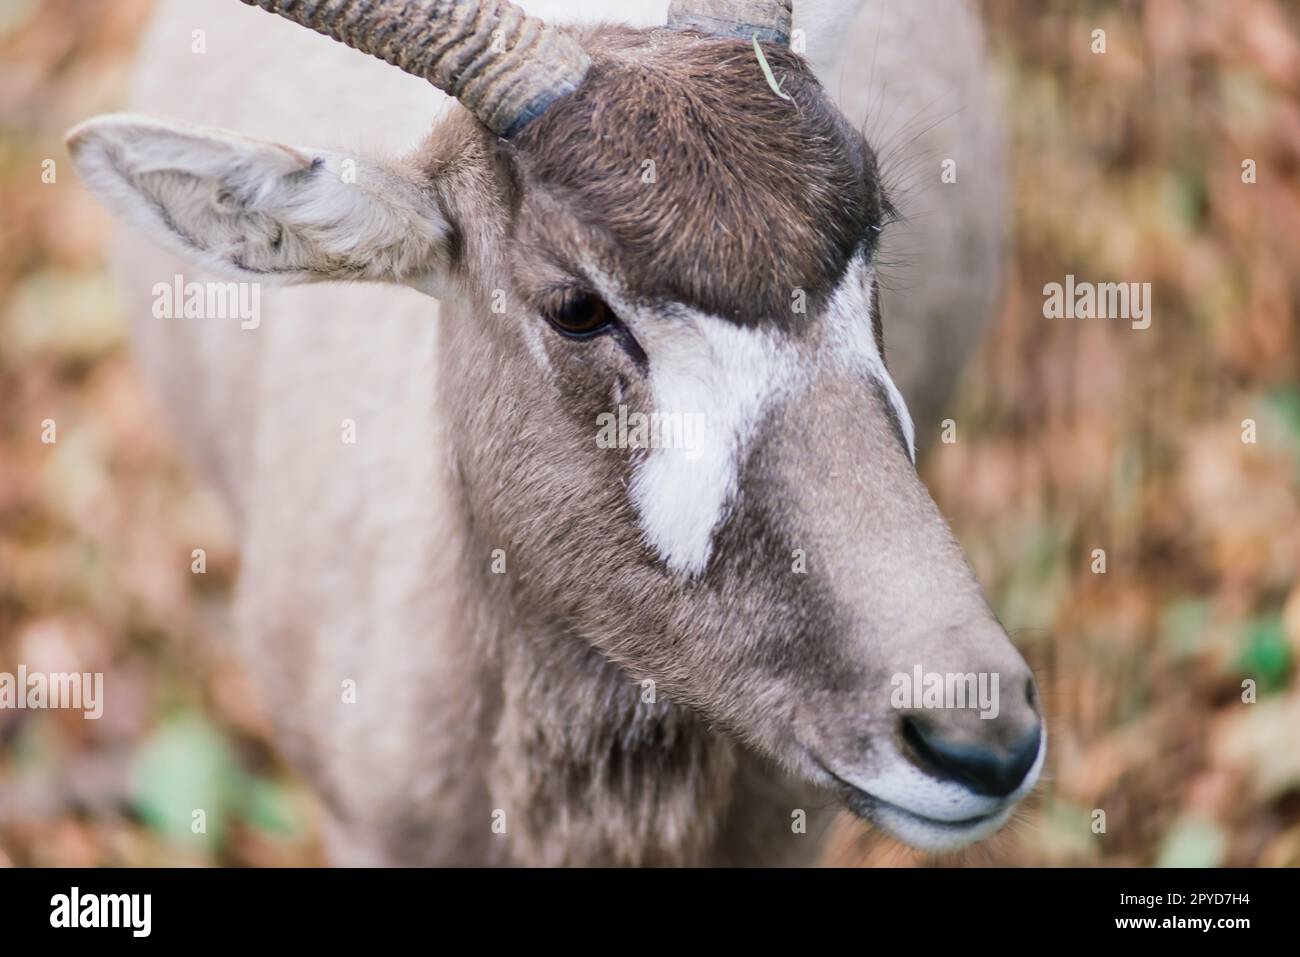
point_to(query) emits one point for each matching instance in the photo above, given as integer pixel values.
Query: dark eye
(579, 315)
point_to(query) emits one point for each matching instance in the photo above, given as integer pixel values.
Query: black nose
(985, 769)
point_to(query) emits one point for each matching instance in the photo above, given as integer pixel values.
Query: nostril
(995, 772)
(1031, 695)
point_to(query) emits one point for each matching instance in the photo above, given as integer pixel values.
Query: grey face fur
(771, 579)
(777, 576)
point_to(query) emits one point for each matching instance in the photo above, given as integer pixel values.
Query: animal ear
(825, 28)
(255, 210)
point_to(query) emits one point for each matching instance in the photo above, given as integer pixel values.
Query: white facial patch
(721, 376)
(851, 334)
(709, 371)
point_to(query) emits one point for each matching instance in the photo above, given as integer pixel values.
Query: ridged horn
(770, 20)
(503, 65)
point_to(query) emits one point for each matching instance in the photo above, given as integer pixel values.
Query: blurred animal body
(487, 636)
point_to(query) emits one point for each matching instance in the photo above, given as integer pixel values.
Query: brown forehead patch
(750, 198)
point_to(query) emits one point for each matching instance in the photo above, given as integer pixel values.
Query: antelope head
(666, 385)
